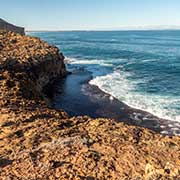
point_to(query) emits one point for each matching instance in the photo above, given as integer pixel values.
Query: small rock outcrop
(10, 27)
(37, 142)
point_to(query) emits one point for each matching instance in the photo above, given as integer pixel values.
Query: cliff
(37, 142)
(10, 27)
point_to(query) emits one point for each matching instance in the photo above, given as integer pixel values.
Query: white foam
(101, 62)
(118, 85)
(86, 61)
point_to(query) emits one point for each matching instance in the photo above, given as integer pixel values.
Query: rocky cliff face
(10, 27)
(37, 142)
(29, 64)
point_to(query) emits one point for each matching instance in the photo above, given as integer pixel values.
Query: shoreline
(38, 142)
(101, 104)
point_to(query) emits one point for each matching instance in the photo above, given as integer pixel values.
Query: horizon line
(125, 28)
(168, 29)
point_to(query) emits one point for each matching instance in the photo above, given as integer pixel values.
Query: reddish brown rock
(41, 143)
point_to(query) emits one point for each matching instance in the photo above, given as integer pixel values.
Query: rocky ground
(37, 142)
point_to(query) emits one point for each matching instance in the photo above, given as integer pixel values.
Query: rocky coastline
(38, 142)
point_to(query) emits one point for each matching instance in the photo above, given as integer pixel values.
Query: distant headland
(4, 25)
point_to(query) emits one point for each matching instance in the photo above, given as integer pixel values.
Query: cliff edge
(37, 142)
(10, 27)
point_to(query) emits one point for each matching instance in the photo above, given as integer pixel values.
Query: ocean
(139, 68)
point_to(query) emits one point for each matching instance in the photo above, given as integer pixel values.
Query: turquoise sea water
(140, 68)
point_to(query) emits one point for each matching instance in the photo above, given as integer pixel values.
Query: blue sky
(89, 14)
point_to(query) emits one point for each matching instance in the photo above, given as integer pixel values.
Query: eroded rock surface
(37, 142)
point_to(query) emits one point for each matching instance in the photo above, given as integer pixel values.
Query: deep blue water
(140, 68)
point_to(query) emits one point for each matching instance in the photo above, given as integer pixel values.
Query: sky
(90, 14)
